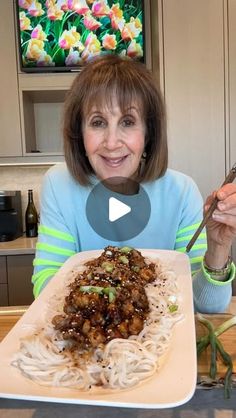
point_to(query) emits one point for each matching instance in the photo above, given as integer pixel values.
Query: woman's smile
(113, 162)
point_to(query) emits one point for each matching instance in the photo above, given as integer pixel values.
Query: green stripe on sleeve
(188, 229)
(188, 237)
(196, 260)
(46, 262)
(195, 247)
(39, 279)
(37, 276)
(55, 233)
(54, 249)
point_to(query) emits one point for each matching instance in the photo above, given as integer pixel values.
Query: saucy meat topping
(107, 300)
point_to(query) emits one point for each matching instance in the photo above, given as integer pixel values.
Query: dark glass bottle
(31, 217)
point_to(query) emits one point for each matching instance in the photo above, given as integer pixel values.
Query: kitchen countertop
(21, 245)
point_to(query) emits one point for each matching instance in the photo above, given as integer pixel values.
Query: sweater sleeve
(210, 296)
(55, 241)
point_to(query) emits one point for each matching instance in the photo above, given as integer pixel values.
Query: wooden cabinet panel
(3, 270)
(20, 289)
(3, 295)
(3, 282)
(10, 135)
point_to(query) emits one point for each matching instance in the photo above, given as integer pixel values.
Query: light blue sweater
(176, 211)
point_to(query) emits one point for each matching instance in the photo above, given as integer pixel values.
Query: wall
(23, 178)
(193, 61)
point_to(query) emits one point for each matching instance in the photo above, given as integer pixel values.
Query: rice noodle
(122, 363)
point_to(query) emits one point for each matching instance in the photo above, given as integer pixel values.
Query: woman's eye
(127, 122)
(97, 123)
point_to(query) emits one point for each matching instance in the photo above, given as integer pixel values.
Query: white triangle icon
(117, 209)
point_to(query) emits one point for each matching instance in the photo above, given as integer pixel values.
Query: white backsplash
(23, 178)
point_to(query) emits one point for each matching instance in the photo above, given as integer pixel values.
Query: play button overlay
(117, 209)
(117, 216)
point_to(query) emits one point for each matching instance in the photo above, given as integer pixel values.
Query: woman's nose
(112, 139)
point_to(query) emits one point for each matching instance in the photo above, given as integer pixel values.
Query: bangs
(104, 95)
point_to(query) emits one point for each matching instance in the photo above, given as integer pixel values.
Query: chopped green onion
(173, 308)
(124, 259)
(109, 291)
(111, 297)
(126, 250)
(93, 289)
(108, 266)
(135, 268)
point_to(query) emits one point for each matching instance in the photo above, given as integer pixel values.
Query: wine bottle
(31, 217)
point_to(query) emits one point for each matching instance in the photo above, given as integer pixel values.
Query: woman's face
(114, 141)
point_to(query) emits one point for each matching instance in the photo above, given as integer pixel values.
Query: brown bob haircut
(97, 84)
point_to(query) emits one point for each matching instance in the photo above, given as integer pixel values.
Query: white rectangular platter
(174, 383)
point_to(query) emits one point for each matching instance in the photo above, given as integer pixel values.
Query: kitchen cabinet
(10, 136)
(30, 104)
(41, 104)
(3, 282)
(15, 280)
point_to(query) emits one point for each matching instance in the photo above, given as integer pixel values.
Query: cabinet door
(3, 270)
(20, 289)
(3, 282)
(193, 54)
(10, 135)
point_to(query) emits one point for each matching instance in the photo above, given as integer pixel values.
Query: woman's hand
(221, 228)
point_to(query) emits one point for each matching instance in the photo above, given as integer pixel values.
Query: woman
(115, 127)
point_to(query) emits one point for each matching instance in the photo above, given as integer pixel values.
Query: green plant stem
(216, 346)
(212, 341)
(203, 342)
(228, 362)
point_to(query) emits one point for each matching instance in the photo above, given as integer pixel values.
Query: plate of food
(114, 327)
